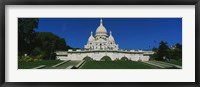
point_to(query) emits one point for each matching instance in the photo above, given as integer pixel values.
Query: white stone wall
(98, 55)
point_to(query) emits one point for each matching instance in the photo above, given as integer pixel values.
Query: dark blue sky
(129, 33)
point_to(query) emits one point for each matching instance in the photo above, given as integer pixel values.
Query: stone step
(79, 64)
(154, 64)
(174, 65)
(161, 64)
(39, 67)
(60, 63)
(69, 67)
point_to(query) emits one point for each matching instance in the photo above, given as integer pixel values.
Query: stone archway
(106, 58)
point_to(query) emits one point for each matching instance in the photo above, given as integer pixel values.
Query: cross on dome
(91, 38)
(101, 22)
(111, 37)
(91, 33)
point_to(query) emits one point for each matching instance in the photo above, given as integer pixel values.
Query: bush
(38, 58)
(124, 59)
(87, 58)
(117, 59)
(26, 59)
(106, 58)
(30, 59)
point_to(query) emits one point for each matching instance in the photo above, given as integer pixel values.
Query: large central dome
(101, 30)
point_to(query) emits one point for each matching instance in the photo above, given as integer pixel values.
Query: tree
(26, 34)
(155, 55)
(162, 51)
(155, 49)
(49, 43)
(37, 43)
(177, 51)
(178, 45)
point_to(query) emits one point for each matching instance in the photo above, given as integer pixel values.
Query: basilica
(101, 40)
(103, 44)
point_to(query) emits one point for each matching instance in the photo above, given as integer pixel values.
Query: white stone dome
(111, 37)
(101, 29)
(91, 38)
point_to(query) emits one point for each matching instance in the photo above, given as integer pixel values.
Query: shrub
(38, 57)
(87, 58)
(124, 59)
(35, 60)
(117, 59)
(30, 59)
(26, 59)
(106, 58)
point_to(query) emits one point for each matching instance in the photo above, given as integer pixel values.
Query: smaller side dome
(91, 38)
(111, 37)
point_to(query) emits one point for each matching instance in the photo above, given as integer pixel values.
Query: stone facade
(102, 45)
(97, 55)
(101, 41)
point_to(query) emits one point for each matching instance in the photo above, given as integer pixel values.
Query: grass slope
(116, 65)
(177, 62)
(29, 65)
(65, 65)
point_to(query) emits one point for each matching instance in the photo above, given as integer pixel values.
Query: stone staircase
(163, 65)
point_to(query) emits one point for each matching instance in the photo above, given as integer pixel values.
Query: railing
(120, 50)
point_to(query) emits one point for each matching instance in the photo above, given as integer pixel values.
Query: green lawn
(91, 64)
(116, 65)
(177, 62)
(29, 65)
(65, 65)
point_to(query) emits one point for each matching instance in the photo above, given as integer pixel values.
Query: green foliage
(37, 43)
(37, 51)
(106, 58)
(87, 58)
(26, 34)
(49, 43)
(29, 65)
(165, 53)
(162, 51)
(31, 59)
(177, 62)
(124, 59)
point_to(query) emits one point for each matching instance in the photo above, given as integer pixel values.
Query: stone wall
(137, 56)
